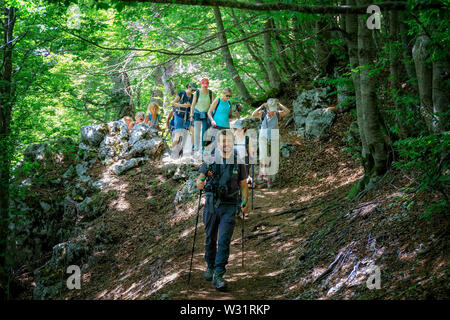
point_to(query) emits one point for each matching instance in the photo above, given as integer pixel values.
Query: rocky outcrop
(311, 117)
(187, 172)
(125, 165)
(286, 148)
(251, 123)
(318, 122)
(50, 277)
(114, 141)
(92, 135)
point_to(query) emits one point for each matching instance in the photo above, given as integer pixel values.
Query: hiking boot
(208, 274)
(218, 282)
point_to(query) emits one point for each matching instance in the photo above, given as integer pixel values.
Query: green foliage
(341, 85)
(427, 155)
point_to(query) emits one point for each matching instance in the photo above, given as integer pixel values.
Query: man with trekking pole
(224, 182)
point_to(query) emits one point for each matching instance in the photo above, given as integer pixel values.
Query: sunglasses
(228, 96)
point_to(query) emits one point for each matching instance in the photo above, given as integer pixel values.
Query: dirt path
(296, 231)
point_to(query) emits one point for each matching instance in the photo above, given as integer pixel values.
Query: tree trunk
(351, 26)
(252, 53)
(274, 76)
(377, 160)
(297, 43)
(229, 60)
(167, 71)
(441, 101)
(5, 128)
(322, 48)
(282, 53)
(406, 53)
(394, 69)
(158, 86)
(424, 73)
(122, 96)
(394, 61)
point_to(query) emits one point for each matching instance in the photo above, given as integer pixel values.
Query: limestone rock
(124, 165)
(93, 134)
(306, 102)
(318, 122)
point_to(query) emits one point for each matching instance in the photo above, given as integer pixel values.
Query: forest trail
(298, 229)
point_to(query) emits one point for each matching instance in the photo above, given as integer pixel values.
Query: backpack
(218, 101)
(263, 115)
(186, 112)
(198, 94)
(229, 176)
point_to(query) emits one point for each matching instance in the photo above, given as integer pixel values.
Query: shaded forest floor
(304, 240)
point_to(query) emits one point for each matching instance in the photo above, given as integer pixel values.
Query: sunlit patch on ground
(288, 252)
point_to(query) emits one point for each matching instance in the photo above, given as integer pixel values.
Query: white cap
(272, 103)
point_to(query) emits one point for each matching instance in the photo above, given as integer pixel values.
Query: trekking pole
(242, 234)
(195, 234)
(253, 182)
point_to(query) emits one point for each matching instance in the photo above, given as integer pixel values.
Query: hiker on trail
(182, 104)
(242, 145)
(269, 113)
(220, 111)
(129, 121)
(199, 109)
(153, 117)
(224, 178)
(139, 118)
(219, 114)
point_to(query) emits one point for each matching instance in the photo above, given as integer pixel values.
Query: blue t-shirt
(153, 122)
(222, 113)
(184, 99)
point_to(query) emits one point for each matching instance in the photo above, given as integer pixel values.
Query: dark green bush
(427, 155)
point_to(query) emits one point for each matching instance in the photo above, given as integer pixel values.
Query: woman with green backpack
(202, 100)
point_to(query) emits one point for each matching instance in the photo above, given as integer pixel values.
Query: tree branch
(314, 9)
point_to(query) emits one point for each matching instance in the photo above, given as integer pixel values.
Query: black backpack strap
(263, 115)
(214, 112)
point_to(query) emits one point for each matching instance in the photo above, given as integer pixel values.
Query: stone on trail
(124, 165)
(169, 169)
(141, 131)
(188, 191)
(318, 122)
(101, 184)
(286, 148)
(184, 171)
(144, 148)
(48, 278)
